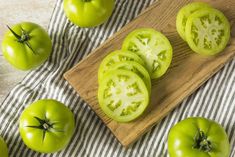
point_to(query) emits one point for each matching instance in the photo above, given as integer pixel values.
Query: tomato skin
(88, 13)
(3, 148)
(181, 139)
(55, 131)
(19, 54)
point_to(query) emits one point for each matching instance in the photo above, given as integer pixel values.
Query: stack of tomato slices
(124, 76)
(205, 29)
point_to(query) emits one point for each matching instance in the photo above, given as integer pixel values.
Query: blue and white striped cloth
(214, 100)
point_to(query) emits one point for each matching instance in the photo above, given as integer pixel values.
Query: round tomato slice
(123, 95)
(136, 68)
(207, 31)
(183, 15)
(153, 47)
(115, 57)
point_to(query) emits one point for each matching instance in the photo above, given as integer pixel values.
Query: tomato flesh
(123, 95)
(115, 57)
(207, 31)
(184, 13)
(153, 47)
(136, 68)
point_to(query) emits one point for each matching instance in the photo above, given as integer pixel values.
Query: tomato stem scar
(201, 142)
(23, 38)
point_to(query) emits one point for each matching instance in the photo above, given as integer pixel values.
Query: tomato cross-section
(184, 13)
(207, 31)
(115, 57)
(123, 95)
(153, 47)
(136, 68)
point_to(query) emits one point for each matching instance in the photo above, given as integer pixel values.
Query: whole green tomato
(3, 148)
(46, 126)
(88, 13)
(26, 45)
(198, 137)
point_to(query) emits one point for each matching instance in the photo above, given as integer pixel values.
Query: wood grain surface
(12, 12)
(187, 72)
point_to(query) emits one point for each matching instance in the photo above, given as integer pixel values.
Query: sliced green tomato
(184, 13)
(115, 57)
(123, 95)
(136, 68)
(207, 31)
(153, 47)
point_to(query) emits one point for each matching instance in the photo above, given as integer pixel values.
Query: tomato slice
(115, 57)
(184, 13)
(207, 31)
(153, 47)
(136, 68)
(123, 95)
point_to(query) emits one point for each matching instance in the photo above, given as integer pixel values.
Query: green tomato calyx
(201, 142)
(45, 126)
(23, 38)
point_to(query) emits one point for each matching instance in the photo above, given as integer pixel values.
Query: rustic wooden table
(12, 12)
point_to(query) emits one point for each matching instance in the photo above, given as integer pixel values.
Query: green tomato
(116, 57)
(207, 31)
(153, 47)
(123, 95)
(3, 148)
(88, 13)
(46, 126)
(136, 68)
(26, 45)
(198, 137)
(184, 13)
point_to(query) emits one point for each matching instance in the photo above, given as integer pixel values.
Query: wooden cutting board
(188, 70)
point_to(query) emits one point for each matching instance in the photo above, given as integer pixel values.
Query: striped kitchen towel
(214, 100)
